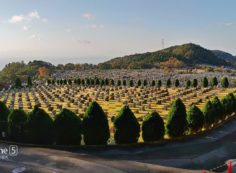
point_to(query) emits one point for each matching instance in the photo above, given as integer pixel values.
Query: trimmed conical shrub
(16, 125)
(176, 121)
(4, 112)
(225, 82)
(177, 83)
(195, 118)
(95, 126)
(209, 114)
(218, 108)
(195, 83)
(205, 82)
(153, 128)
(39, 127)
(126, 126)
(214, 82)
(67, 128)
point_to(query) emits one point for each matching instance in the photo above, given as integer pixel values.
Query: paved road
(197, 154)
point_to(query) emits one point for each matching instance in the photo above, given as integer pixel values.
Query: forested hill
(187, 54)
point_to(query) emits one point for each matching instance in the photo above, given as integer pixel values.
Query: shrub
(95, 126)
(188, 83)
(159, 84)
(218, 108)
(97, 81)
(229, 103)
(225, 82)
(177, 83)
(153, 83)
(118, 83)
(195, 119)
(168, 83)
(131, 83)
(126, 126)
(112, 82)
(145, 82)
(40, 127)
(139, 82)
(209, 114)
(124, 82)
(195, 83)
(16, 125)
(176, 120)
(4, 113)
(214, 81)
(106, 81)
(205, 82)
(67, 128)
(153, 128)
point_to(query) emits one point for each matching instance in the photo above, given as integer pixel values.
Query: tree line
(66, 128)
(205, 82)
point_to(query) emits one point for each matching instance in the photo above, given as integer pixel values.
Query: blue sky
(93, 31)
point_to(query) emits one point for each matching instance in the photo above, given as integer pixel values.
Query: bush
(218, 108)
(16, 125)
(153, 83)
(225, 82)
(195, 83)
(176, 120)
(40, 127)
(124, 83)
(159, 84)
(229, 103)
(145, 82)
(95, 126)
(209, 114)
(131, 83)
(214, 82)
(177, 83)
(195, 119)
(67, 128)
(168, 83)
(4, 113)
(118, 83)
(205, 82)
(126, 126)
(188, 83)
(139, 82)
(153, 128)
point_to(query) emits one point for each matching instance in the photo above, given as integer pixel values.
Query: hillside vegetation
(188, 54)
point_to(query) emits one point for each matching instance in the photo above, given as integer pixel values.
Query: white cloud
(97, 26)
(88, 16)
(17, 19)
(25, 28)
(34, 15)
(35, 37)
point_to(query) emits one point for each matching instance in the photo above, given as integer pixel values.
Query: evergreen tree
(153, 128)
(118, 83)
(16, 125)
(225, 82)
(145, 82)
(195, 118)
(214, 82)
(4, 113)
(176, 121)
(195, 83)
(40, 127)
(67, 128)
(188, 84)
(97, 81)
(126, 126)
(95, 126)
(177, 83)
(139, 82)
(106, 81)
(218, 108)
(159, 84)
(209, 113)
(153, 83)
(205, 82)
(131, 83)
(112, 82)
(124, 82)
(79, 81)
(168, 83)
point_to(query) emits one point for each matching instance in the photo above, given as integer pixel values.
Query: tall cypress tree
(127, 128)
(95, 125)
(176, 120)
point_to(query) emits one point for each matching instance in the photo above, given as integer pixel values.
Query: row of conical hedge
(67, 128)
(96, 81)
